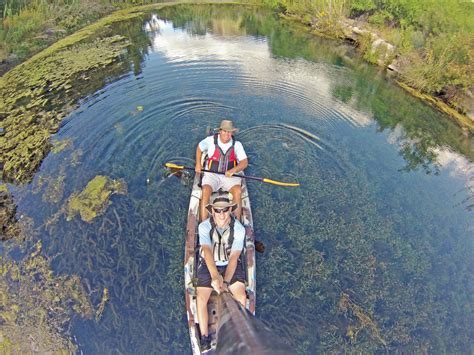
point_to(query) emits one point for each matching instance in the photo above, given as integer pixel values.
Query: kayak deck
(191, 260)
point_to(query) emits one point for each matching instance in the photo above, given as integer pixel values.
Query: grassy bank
(434, 40)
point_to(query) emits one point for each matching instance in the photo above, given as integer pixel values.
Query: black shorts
(204, 276)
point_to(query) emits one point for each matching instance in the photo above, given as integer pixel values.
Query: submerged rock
(95, 198)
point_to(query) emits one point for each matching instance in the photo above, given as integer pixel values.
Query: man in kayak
(221, 237)
(225, 155)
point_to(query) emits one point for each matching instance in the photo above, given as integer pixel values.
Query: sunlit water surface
(381, 226)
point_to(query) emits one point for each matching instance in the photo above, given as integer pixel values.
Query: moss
(59, 146)
(95, 198)
(36, 95)
(55, 189)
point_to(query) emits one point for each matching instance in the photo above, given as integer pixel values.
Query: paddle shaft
(236, 175)
(274, 182)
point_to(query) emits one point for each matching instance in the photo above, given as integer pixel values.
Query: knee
(206, 191)
(202, 296)
(236, 191)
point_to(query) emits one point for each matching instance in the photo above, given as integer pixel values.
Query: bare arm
(198, 166)
(241, 166)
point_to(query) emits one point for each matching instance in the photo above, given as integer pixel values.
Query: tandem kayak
(191, 259)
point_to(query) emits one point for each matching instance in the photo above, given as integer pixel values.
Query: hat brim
(233, 130)
(233, 206)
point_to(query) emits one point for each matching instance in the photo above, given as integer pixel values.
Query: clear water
(383, 217)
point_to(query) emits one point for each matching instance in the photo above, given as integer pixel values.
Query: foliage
(446, 61)
(29, 26)
(437, 37)
(420, 29)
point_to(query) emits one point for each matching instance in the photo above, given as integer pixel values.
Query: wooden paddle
(268, 181)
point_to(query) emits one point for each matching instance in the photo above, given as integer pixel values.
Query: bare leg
(206, 195)
(203, 294)
(236, 192)
(238, 290)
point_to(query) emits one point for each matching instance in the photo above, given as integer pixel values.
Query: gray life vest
(222, 243)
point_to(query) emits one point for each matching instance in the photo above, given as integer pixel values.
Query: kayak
(191, 259)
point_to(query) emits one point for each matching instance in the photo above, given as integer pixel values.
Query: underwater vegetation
(130, 258)
(7, 214)
(95, 198)
(346, 271)
(36, 306)
(36, 95)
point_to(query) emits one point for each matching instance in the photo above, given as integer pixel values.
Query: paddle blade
(279, 183)
(174, 166)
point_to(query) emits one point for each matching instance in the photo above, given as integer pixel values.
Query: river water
(373, 252)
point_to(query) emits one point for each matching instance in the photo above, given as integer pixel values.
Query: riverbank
(458, 105)
(374, 32)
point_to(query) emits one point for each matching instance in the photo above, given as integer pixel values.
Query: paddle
(268, 181)
(259, 246)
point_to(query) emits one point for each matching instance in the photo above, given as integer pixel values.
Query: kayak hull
(191, 259)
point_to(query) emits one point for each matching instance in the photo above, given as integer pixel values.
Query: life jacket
(220, 162)
(222, 243)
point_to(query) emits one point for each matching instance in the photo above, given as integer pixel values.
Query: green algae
(36, 306)
(55, 189)
(94, 199)
(101, 306)
(37, 94)
(59, 146)
(36, 97)
(310, 284)
(8, 223)
(76, 157)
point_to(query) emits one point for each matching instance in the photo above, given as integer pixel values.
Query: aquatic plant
(37, 305)
(346, 233)
(8, 221)
(95, 198)
(36, 95)
(59, 146)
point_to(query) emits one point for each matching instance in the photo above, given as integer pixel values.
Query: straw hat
(228, 125)
(221, 200)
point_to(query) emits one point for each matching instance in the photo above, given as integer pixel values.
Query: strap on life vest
(219, 244)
